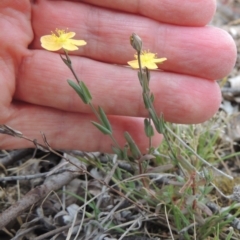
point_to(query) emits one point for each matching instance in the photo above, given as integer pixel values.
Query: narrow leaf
(104, 119)
(85, 91)
(146, 99)
(152, 98)
(101, 128)
(145, 84)
(77, 89)
(132, 145)
(118, 151)
(140, 77)
(148, 128)
(155, 119)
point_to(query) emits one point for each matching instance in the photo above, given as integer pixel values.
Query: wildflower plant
(144, 61)
(184, 196)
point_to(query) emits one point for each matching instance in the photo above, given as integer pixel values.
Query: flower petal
(47, 39)
(77, 42)
(69, 34)
(133, 64)
(69, 46)
(151, 65)
(159, 60)
(49, 42)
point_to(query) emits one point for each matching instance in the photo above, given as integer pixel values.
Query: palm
(35, 96)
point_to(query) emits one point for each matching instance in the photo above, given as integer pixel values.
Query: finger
(184, 12)
(65, 130)
(203, 52)
(14, 23)
(183, 99)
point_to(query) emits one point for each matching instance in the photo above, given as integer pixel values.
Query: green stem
(150, 138)
(141, 73)
(115, 141)
(95, 111)
(139, 63)
(70, 67)
(90, 104)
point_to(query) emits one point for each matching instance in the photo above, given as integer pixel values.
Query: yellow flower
(61, 39)
(148, 60)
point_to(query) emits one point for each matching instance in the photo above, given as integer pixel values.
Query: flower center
(146, 57)
(60, 35)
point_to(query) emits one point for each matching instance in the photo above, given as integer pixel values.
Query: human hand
(35, 96)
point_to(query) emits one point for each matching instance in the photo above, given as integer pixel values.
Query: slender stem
(139, 63)
(95, 111)
(140, 68)
(169, 145)
(150, 138)
(90, 104)
(141, 73)
(115, 141)
(70, 67)
(76, 77)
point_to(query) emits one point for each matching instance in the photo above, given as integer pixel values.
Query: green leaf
(104, 119)
(156, 121)
(125, 152)
(85, 91)
(161, 123)
(147, 74)
(117, 151)
(77, 89)
(152, 98)
(148, 128)
(145, 82)
(101, 128)
(153, 116)
(146, 100)
(140, 77)
(132, 145)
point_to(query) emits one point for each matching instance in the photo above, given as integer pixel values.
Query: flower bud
(136, 42)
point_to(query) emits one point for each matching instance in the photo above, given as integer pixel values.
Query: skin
(34, 94)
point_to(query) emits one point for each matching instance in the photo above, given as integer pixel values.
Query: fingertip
(228, 53)
(186, 13)
(186, 99)
(206, 104)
